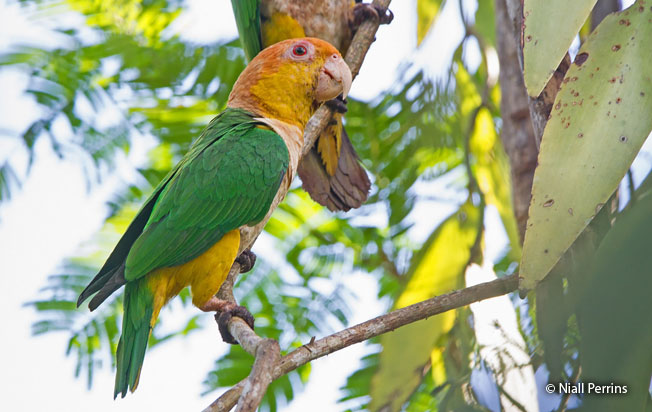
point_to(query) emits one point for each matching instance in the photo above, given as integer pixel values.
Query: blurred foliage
(447, 253)
(427, 11)
(425, 143)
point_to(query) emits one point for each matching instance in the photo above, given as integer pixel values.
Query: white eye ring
(301, 51)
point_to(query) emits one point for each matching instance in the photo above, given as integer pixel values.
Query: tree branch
(266, 351)
(517, 132)
(374, 327)
(364, 36)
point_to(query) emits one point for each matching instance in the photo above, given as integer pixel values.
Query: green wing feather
(247, 18)
(227, 184)
(227, 179)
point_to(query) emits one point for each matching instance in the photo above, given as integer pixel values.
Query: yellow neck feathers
(276, 89)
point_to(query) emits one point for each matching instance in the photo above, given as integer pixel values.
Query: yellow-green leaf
(427, 11)
(493, 175)
(437, 269)
(599, 121)
(466, 90)
(549, 29)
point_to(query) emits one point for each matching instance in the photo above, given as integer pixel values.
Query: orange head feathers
(288, 80)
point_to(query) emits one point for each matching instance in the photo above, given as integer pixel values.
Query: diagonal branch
(371, 328)
(266, 351)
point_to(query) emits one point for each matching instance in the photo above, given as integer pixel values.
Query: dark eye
(299, 50)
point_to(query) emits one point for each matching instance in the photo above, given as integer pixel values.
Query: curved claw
(223, 317)
(338, 104)
(247, 260)
(386, 16)
(363, 11)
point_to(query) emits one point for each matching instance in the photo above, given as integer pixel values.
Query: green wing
(247, 18)
(111, 276)
(227, 184)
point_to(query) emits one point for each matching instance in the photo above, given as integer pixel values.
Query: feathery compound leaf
(599, 121)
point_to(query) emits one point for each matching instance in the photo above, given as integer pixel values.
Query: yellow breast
(204, 274)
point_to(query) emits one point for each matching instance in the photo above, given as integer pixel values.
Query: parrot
(331, 172)
(203, 216)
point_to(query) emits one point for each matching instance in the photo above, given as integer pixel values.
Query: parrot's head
(288, 80)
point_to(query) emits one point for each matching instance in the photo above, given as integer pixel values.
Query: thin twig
(374, 327)
(389, 264)
(563, 404)
(632, 188)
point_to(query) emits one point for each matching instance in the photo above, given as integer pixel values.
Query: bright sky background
(54, 213)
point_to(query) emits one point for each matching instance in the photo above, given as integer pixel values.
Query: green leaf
(614, 313)
(437, 269)
(599, 121)
(427, 11)
(549, 28)
(485, 21)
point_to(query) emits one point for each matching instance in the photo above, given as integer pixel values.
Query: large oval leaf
(600, 119)
(438, 269)
(549, 28)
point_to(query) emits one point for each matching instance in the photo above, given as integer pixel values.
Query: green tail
(138, 309)
(247, 18)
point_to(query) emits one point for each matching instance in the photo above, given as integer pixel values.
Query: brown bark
(602, 9)
(512, 18)
(524, 117)
(517, 133)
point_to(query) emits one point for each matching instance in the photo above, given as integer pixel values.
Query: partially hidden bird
(331, 172)
(208, 210)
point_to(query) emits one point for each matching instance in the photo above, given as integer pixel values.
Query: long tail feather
(111, 285)
(136, 327)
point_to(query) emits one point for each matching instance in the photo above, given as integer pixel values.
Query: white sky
(54, 213)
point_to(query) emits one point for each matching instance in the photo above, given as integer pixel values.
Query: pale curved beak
(334, 79)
